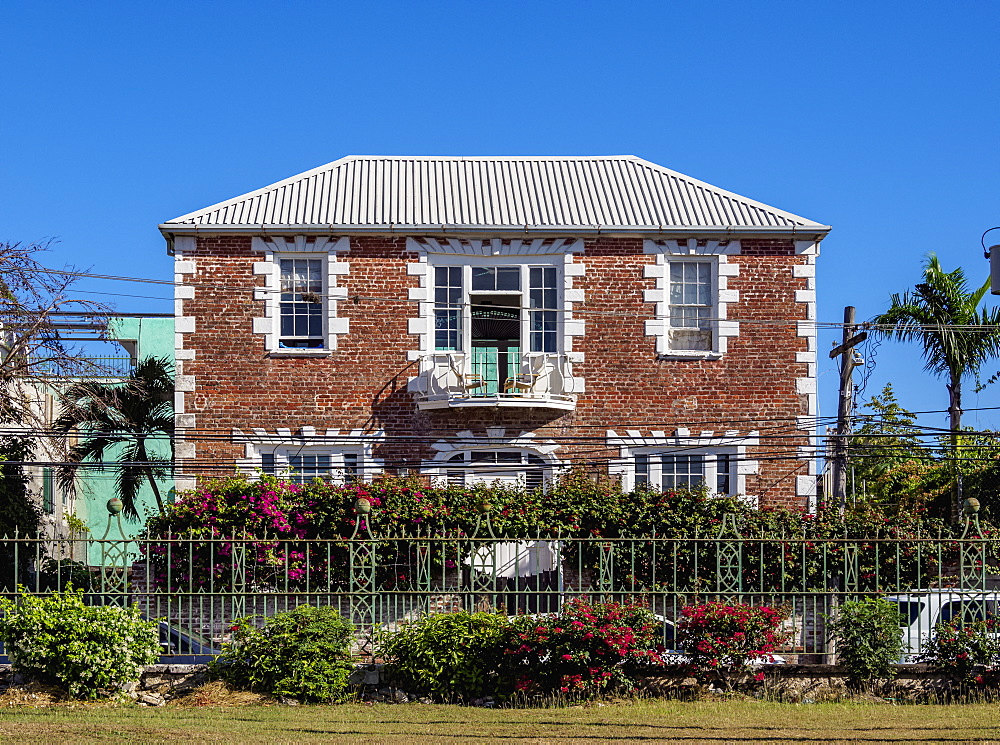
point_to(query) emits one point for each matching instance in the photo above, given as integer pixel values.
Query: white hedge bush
(88, 650)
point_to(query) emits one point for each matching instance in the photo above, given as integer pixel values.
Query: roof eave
(802, 232)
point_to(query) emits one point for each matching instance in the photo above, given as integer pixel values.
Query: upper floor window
(513, 306)
(692, 296)
(300, 293)
(691, 308)
(448, 301)
(302, 304)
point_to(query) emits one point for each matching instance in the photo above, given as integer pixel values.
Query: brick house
(499, 317)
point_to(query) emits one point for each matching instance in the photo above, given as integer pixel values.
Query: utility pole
(849, 359)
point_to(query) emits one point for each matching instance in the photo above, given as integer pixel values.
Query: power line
(984, 328)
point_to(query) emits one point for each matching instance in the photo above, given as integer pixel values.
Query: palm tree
(127, 413)
(938, 313)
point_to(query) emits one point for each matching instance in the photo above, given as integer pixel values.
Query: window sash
(682, 471)
(448, 301)
(668, 471)
(691, 305)
(300, 320)
(543, 318)
(306, 467)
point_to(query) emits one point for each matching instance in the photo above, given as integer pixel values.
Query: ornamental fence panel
(198, 585)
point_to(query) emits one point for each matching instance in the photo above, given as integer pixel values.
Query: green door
(495, 365)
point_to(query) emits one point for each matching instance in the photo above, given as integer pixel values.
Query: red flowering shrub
(722, 640)
(961, 651)
(584, 649)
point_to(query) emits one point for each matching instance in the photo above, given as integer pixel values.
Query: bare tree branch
(36, 308)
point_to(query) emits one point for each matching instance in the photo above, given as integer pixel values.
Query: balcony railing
(530, 379)
(83, 367)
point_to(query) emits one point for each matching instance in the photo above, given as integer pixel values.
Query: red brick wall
(363, 383)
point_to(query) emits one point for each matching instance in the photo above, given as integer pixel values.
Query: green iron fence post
(116, 559)
(972, 550)
(729, 559)
(363, 559)
(481, 589)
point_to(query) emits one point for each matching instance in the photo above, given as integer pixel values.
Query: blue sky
(880, 119)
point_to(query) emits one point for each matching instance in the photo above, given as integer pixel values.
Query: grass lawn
(650, 721)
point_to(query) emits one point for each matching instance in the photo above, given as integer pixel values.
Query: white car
(922, 609)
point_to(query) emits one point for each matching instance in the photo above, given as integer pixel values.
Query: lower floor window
(672, 471)
(485, 466)
(302, 468)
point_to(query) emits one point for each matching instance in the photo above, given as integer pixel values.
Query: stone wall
(802, 683)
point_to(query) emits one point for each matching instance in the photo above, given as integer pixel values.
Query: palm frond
(126, 413)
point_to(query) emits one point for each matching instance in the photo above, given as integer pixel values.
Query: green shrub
(723, 640)
(958, 649)
(450, 655)
(87, 650)
(587, 648)
(869, 641)
(303, 654)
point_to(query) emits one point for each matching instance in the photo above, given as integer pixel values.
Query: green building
(141, 336)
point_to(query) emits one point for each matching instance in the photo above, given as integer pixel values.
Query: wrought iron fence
(198, 585)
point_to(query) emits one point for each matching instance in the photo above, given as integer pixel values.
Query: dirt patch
(33, 694)
(218, 693)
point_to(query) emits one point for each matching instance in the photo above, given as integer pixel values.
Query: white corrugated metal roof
(371, 192)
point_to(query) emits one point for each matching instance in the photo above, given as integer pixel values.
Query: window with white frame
(300, 293)
(488, 466)
(691, 306)
(301, 466)
(448, 301)
(511, 302)
(670, 471)
(302, 305)
(499, 313)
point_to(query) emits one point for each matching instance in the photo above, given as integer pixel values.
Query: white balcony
(529, 380)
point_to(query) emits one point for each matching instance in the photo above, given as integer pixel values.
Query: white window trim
(282, 444)
(275, 248)
(717, 254)
(495, 439)
(682, 442)
(558, 253)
